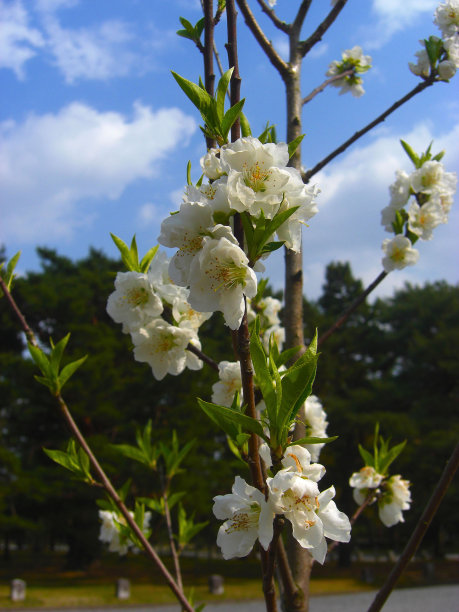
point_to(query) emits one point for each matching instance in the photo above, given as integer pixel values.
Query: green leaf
(222, 88)
(367, 457)
(390, 456)
(130, 451)
(56, 355)
(263, 375)
(293, 146)
(198, 96)
(9, 275)
(199, 27)
(248, 229)
(230, 117)
(134, 252)
(125, 253)
(68, 370)
(411, 154)
(245, 126)
(270, 247)
(188, 173)
(185, 34)
(313, 440)
(148, 258)
(40, 359)
(229, 420)
(286, 355)
(186, 24)
(63, 458)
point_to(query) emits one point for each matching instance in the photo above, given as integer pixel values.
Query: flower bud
(446, 70)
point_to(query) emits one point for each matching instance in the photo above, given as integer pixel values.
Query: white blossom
(230, 382)
(247, 517)
(400, 190)
(432, 178)
(399, 253)
(163, 347)
(298, 459)
(422, 67)
(366, 478)
(395, 499)
(388, 216)
(315, 419)
(134, 301)
(110, 531)
(278, 332)
(351, 59)
(447, 69)
(304, 197)
(312, 514)
(451, 46)
(447, 17)
(422, 220)
(211, 165)
(213, 194)
(257, 175)
(270, 308)
(219, 279)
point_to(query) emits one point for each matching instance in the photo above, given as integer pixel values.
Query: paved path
(426, 599)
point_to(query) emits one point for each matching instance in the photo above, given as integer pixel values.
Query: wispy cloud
(392, 16)
(50, 165)
(19, 42)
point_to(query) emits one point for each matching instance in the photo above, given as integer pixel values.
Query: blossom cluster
(113, 534)
(245, 176)
(428, 194)
(447, 19)
(392, 493)
(292, 492)
(351, 60)
(138, 302)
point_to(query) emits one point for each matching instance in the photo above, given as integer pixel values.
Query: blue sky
(96, 134)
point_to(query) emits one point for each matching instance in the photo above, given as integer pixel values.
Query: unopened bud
(446, 70)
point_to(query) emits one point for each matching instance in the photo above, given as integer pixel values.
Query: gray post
(216, 584)
(123, 588)
(18, 590)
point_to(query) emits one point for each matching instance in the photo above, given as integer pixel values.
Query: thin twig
(355, 304)
(316, 36)
(420, 87)
(263, 41)
(317, 90)
(366, 502)
(233, 62)
(170, 533)
(102, 477)
(281, 25)
(419, 531)
(202, 356)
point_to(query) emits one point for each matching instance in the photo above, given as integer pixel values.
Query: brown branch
(281, 25)
(102, 477)
(321, 87)
(292, 592)
(355, 304)
(301, 16)
(209, 75)
(17, 313)
(202, 356)
(170, 533)
(420, 87)
(233, 62)
(419, 531)
(219, 13)
(306, 45)
(275, 59)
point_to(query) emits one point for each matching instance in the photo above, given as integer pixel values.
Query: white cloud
(393, 16)
(18, 41)
(148, 213)
(98, 52)
(51, 164)
(282, 47)
(319, 50)
(354, 190)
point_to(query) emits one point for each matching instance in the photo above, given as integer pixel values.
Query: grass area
(51, 586)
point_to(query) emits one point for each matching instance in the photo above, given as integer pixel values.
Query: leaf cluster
(130, 255)
(383, 455)
(73, 459)
(50, 366)
(217, 122)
